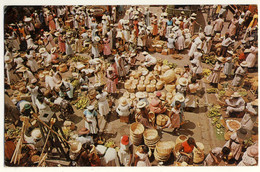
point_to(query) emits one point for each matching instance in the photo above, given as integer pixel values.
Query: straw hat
(252, 151)
(144, 53)
(91, 107)
(145, 72)
(123, 101)
(243, 134)
(221, 59)
(28, 19)
(193, 15)
(141, 104)
(165, 14)
(140, 95)
(193, 18)
(183, 81)
(175, 28)
(8, 59)
(235, 94)
(75, 146)
(110, 68)
(97, 38)
(57, 34)
(28, 37)
(182, 12)
(36, 133)
(42, 50)
(244, 64)
(177, 22)
(255, 102)
(126, 21)
(179, 97)
(247, 51)
(53, 50)
(230, 52)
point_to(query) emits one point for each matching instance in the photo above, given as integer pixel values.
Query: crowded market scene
(130, 85)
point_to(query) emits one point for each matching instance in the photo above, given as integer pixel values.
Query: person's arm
(131, 155)
(214, 157)
(136, 159)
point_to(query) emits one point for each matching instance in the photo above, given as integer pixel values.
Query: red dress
(52, 25)
(62, 45)
(155, 27)
(187, 148)
(136, 27)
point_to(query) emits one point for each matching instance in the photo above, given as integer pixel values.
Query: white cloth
(123, 110)
(238, 103)
(143, 160)
(124, 154)
(208, 30)
(247, 160)
(110, 158)
(34, 94)
(249, 120)
(252, 58)
(239, 76)
(150, 60)
(103, 104)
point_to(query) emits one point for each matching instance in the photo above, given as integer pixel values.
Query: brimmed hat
(182, 12)
(221, 59)
(91, 107)
(247, 51)
(230, 52)
(236, 94)
(110, 68)
(53, 49)
(136, 17)
(144, 53)
(165, 14)
(244, 64)
(8, 59)
(145, 72)
(193, 15)
(252, 151)
(123, 101)
(141, 104)
(75, 146)
(28, 37)
(27, 106)
(179, 97)
(177, 22)
(183, 81)
(57, 34)
(42, 50)
(243, 134)
(125, 140)
(175, 28)
(193, 18)
(28, 19)
(36, 133)
(140, 95)
(255, 102)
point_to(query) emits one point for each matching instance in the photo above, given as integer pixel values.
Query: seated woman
(174, 117)
(141, 157)
(156, 106)
(186, 151)
(191, 99)
(142, 114)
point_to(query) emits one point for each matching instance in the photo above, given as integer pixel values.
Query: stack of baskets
(136, 133)
(161, 120)
(151, 137)
(163, 150)
(198, 156)
(179, 141)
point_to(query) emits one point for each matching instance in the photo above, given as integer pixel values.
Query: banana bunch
(82, 103)
(206, 72)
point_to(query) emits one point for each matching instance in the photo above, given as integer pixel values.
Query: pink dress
(107, 49)
(233, 27)
(62, 45)
(115, 70)
(111, 84)
(52, 25)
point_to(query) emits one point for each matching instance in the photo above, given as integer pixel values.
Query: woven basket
(151, 137)
(136, 133)
(159, 49)
(141, 87)
(159, 157)
(165, 147)
(151, 50)
(161, 120)
(198, 156)
(169, 76)
(181, 139)
(63, 68)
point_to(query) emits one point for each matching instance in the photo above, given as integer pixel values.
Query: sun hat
(221, 59)
(154, 102)
(255, 102)
(123, 101)
(193, 18)
(136, 17)
(42, 50)
(244, 64)
(125, 140)
(34, 80)
(141, 104)
(252, 151)
(28, 19)
(243, 133)
(144, 53)
(193, 14)
(91, 107)
(140, 95)
(179, 97)
(57, 34)
(28, 37)
(145, 72)
(36, 133)
(235, 94)
(247, 51)
(75, 146)
(182, 12)
(183, 81)
(53, 49)
(177, 22)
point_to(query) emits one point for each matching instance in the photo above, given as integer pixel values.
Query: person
(125, 152)
(90, 116)
(11, 76)
(66, 110)
(228, 67)
(156, 106)
(197, 56)
(142, 114)
(216, 155)
(111, 83)
(214, 77)
(61, 42)
(182, 86)
(174, 117)
(34, 90)
(252, 57)
(120, 63)
(191, 99)
(250, 156)
(235, 143)
(31, 61)
(180, 41)
(235, 104)
(66, 89)
(95, 50)
(208, 31)
(155, 25)
(103, 107)
(227, 41)
(197, 43)
(233, 26)
(186, 149)
(99, 75)
(25, 108)
(240, 74)
(147, 16)
(250, 117)
(123, 109)
(170, 43)
(149, 61)
(43, 106)
(141, 157)
(218, 24)
(107, 48)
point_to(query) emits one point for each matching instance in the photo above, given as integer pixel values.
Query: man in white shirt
(218, 24)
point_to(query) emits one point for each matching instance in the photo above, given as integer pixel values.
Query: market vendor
(90, 117)
(250, 117)
(156, 106)
(240, 74)
(142, 114)
(182, 86)
(125, 152)
(25, 108)
(123, 108)
(214, 77)
(149, 61)
(216, 155)
(235, 104)
(174, 120)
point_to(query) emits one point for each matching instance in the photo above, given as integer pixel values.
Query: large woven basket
(136, 133)
(159, 157)
(151, 137)
(197, 155)
(181, 139)
(161, 119)
(165, 147)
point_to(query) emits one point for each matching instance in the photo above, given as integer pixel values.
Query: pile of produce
(221, 94)
(212, 90)
(171, 65)
(78, 58)
(82, 103)
(214, 111)
(242, 92)
(209, 59)
(215, 116)
(206, 72)
(13, 132)
(75, 83)
(110, 144)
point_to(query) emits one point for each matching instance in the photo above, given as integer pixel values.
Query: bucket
(161, 120)
(151, 137)
(136, 133)
(181, 139)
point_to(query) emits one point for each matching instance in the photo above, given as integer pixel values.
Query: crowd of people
(42, 55)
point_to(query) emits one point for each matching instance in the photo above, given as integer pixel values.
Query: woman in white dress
(42, 105)
(11, 77)
(95, 51)
(32, 62)
(240, 74)
(125, 152)
(103, 106)
(90, 120)
(252, 58)
(141, 157)
(33, 89)
(214, 77)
